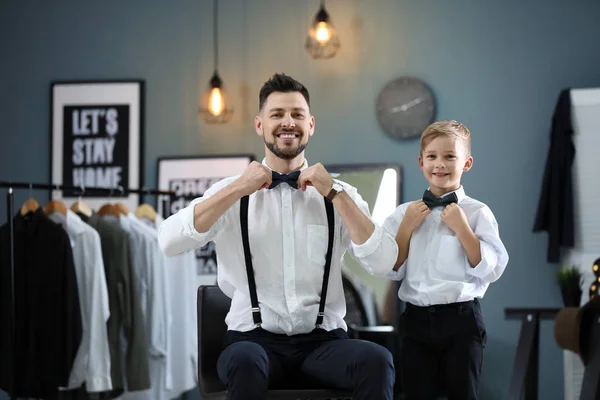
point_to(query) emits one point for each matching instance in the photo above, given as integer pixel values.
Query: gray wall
(496, 65)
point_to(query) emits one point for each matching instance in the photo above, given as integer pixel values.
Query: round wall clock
(405, 106)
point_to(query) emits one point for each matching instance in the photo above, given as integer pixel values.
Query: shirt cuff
(489, 260)
(367, 248)
(399, 274)
(187, 219)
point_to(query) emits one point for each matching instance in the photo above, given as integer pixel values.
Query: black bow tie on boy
(431, 200)
(291, 179)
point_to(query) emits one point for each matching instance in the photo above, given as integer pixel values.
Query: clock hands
(406, 106)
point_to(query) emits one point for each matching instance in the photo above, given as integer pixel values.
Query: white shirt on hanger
(92, 362)
(148, 262)
(181, 369)
(155, 293)
(437, 270)
(288, 236)
(176, 372)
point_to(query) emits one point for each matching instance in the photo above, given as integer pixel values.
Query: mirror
(380, 186)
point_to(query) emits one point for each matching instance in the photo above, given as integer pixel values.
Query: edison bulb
(216, 105)
(322, 34)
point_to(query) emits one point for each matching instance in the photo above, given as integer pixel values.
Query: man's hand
(255, 177)
(415, 214)
(455, 218)
(317, 176)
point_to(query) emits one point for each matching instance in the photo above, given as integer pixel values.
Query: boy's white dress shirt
(437, 270)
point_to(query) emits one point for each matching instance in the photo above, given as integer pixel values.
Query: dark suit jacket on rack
(125, 308)
(555, 207)
(48, 319)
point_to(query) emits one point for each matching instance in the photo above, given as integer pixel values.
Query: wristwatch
(335, 189)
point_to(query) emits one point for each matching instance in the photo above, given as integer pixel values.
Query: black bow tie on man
(431, 200)
(291, 179)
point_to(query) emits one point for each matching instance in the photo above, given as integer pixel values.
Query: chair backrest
(213, 306)
(356, 315)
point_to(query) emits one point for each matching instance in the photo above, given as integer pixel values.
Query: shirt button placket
(289, 267)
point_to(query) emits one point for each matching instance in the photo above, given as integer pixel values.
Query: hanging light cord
(215, 34)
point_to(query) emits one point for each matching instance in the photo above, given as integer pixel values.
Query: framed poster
(96, 141)
(189, 177)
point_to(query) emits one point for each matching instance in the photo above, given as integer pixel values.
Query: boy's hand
(416, 212)
(455, 218)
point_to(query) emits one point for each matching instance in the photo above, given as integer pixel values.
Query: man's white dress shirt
(288, 236)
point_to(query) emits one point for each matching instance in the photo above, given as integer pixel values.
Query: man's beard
(287, 153)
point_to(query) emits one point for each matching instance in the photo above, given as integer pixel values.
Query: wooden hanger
(55, 206)
(109, 209)
(30, 205)
(122, 208)
(146, 211)
(80, 207)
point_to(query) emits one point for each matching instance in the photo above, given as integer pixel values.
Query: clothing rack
(9, 206)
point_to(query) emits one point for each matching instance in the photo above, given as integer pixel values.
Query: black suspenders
(250, 271)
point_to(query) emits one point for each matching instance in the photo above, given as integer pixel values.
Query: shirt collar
(460, 194)
(29, 222)
(75, 223)
(304, 165)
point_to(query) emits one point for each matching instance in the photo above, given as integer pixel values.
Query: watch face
(405, 107)
(337, 187)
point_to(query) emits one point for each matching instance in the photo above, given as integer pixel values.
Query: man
(281, 267)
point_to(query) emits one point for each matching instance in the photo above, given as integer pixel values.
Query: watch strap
(332, 194)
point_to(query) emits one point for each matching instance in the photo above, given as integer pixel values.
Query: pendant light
(215, 107)
(322, 41)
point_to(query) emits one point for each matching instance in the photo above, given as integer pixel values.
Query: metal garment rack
(9, 206)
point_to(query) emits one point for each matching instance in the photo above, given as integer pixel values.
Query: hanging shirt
(150, 280)
(437, 270)
(92, 363)
(125, 310)
(288, 236)
(182, 360)
(157, 295)
(47, 311)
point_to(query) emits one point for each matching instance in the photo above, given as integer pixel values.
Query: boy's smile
(443, 162)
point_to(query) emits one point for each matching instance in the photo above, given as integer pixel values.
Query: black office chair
(213, 306)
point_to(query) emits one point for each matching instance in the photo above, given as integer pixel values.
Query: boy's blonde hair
(449, 128)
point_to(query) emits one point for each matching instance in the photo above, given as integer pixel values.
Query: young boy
(449, 251)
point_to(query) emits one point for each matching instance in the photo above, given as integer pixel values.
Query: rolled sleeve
(177, 234)
(489, 260)
(367, 248)
(399, 274)
(186, 217)
(494, 256)
(378, 254)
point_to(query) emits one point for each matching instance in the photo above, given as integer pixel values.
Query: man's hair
(449, 128)
(281, 83)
